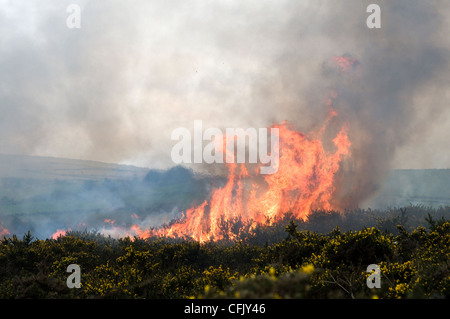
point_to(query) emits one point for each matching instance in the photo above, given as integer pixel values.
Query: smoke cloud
(115, 89)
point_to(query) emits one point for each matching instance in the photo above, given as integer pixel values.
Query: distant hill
(429, 187)
(36, 167)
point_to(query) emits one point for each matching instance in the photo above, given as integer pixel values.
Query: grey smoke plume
(115, 89)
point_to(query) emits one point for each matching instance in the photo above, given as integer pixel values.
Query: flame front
(303, 182)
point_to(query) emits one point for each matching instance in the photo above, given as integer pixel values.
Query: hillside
(430, 187)
(45, 194)
(48, 168)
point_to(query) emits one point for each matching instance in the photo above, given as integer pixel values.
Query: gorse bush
(414, 263)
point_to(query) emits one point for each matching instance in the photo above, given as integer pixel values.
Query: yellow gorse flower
(309, 269)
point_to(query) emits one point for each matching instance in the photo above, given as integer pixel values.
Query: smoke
(115, 89)
(383, 100)
(55, 194)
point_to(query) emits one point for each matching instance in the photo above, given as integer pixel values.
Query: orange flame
(3, 231)
(346, 63)
(109, 221)
(303, 182)
(60, 233)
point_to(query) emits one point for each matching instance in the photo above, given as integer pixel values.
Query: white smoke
(115, 89)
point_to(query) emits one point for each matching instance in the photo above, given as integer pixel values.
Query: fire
(3, 231)
(60, 233)
(346, 63)
(303, 182)
(109, 221)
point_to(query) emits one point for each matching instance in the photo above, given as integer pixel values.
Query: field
(324, 257)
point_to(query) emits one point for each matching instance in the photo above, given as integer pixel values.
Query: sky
(114, 89)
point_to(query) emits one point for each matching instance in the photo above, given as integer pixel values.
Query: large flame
(304, 182)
